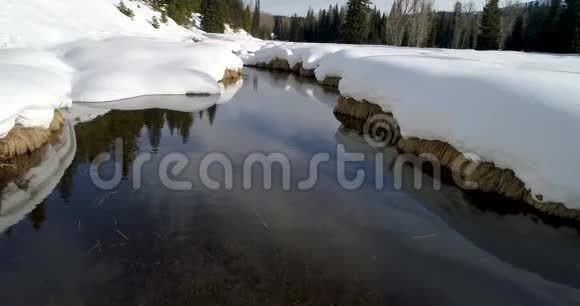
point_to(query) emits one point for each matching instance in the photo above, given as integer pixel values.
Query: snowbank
(36, 82)
(46, 23)
(521, 119)
(82, 112)
(33, 84)
(306, 54)
(520, 111)
(123, 67)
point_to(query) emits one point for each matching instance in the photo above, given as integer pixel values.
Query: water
(67, 242)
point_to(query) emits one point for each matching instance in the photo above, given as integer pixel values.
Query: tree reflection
(38, 215)
(211, 112)
(154, 122)
(99, 135)
(66, 184)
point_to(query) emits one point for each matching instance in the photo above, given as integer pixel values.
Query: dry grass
(369, 119)
(359, 110)
(22, 140)
(279, 65)
(300, 70)
(308, 73)
(330, 82)
(351, 123)
(486, 175)
(13, 169)
(231, 76)
(296, 68)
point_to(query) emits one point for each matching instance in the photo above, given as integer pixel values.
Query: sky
(289, 7)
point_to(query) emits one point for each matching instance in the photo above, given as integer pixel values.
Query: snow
(520, 111)
(307, 54)
(33, 84)
(46, 23)
(122, 67)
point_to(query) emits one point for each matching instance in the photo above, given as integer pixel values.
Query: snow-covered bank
(519, 111)
(308, 55)
(54, 52)
(123, 67)
(521, 119)
(33, 83)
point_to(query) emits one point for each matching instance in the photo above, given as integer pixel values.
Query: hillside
(44, 23)
(54, 52)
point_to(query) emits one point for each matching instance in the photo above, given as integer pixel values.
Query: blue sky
(289, 7)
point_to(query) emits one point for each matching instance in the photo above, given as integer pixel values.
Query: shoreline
(21, 140)
(487, 177)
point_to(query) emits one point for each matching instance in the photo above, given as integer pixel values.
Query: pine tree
(247, 19)
(310, 27)
(355, 29)
(456, 26)
(515, 41)
(548, 37)
(125, 10)
(256, 19)
(569, 27)
(535, 15)
(374, 34)
(384, 29)
(335, 24)
(211, 112)
(213, 18)
(155, 22)
(164, 19)
(180, 10)
(490, 27)
(296, 31)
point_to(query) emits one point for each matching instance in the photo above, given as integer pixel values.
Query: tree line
(535, 26)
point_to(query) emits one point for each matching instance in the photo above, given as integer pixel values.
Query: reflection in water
(495, 232)
(36, 180)
(99, 135)
(154, 246)
(38, 215)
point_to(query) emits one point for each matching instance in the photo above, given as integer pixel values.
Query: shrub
(155, 22)
(125, 10)
(164, 17)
